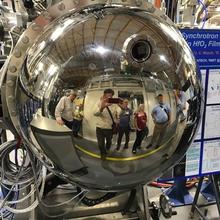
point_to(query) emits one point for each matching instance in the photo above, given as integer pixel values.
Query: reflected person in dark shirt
(124, 124)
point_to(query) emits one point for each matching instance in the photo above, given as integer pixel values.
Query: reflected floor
(91, 147)
(118, 170)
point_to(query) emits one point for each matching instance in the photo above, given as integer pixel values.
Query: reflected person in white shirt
(64, 110)
(106, 113)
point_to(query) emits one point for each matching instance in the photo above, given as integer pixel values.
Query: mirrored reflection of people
(140, 120)
(64, 110)
(77, 119)
(124, 124)
(181, 103)
(161, 118)
(106, 114)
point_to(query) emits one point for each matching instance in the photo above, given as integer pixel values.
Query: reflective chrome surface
(130, 51)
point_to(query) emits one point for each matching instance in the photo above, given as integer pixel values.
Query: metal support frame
(128, 206)
(196, 206)
(214, 180)
(143, 202)
(179, 194)
(207, 191)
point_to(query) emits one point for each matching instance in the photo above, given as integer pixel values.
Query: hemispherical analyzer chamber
(108, 98)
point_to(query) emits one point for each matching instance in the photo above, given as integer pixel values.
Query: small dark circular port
(141, 51)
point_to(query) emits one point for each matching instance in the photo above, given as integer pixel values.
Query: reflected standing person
(124, 124)
(64, 110)
(77, 119)
(181, 103)
(106, 116)
(140, 119)
(161, 117)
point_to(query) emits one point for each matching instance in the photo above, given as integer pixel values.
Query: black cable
(92, 202)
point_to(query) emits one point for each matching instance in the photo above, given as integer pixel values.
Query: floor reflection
(91, 148)
(122, 167)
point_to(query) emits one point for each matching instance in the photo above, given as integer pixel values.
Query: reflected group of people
(114, 116)
(108, 117)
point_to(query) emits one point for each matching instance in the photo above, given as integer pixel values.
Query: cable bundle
(16, 176)
(24, 172)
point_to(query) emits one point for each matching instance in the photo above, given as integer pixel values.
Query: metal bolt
(16, 29)
(13, 113)
(12, 69)
(11, 98)
(10, 83)
(138, 2)
(17, 53)
(76, 2)
(61, 6)
(92, 66)
(36, 27)
(25, 39)
(46, 15)
(151, 9)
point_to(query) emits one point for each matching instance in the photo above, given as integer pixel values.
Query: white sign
(212, 122)
(211, 152)
(213, 96)
(192, 159)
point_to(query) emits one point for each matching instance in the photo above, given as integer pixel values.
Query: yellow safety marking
(123, 158)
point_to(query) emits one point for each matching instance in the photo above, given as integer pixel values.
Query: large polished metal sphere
(108, 57)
